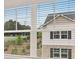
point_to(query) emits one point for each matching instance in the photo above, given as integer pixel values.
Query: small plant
(19, 40)
(14, 51)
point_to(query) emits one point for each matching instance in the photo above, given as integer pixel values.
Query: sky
(43, 9)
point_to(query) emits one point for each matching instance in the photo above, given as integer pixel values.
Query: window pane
(10, 19)
(43, 9)
(24, 18)
(56, 35)
(64, 53)
(17, 43)
(64, 34)
(56, 52)
(56, 32)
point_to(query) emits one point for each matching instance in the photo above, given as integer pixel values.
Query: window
(56, 52)
(60, 35)
(45, 8)
(54, 35)
(64, 53)
(60, 53)
(64, 34)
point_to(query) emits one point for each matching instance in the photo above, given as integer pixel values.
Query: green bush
(19, 40)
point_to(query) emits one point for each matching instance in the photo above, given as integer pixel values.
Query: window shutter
(69, 34)
(51, 35)
(51, 52)
(69, 54)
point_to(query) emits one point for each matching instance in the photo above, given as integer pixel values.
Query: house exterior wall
(59, 24)
(46, 50)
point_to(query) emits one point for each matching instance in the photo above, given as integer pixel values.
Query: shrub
(19, 40)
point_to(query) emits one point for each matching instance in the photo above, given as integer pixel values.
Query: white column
(33, 40)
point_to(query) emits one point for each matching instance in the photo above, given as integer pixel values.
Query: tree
(11, 25)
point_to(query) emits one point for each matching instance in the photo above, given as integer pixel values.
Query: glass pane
(39, 44)
(47, 8)
(56, 32)
(63, 32)
(64, 53)
(63, 36)
(24, 18)
(56, 52)
(17, 43)
(56, 36)
(10, 19)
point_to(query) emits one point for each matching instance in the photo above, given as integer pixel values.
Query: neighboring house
(58, 36)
